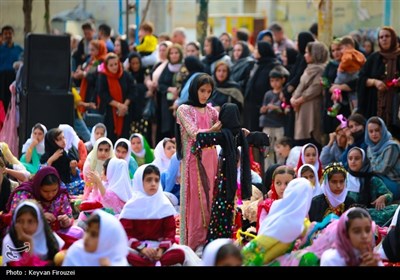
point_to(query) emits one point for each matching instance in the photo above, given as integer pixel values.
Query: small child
(105, 243)
(148, 42)
(222, 252)
(272, 117)
(349, 67)
(287, 154)
(30, 240)
(354, 242)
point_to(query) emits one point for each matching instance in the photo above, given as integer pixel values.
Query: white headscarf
(39, 237)
(118, 179)
(71, 138)
(40, 146)
(143, 206)
(285, 221)
(160, 158)
(211, 250)
(113, 244)
(92, 134)
(96, 164)
(142, 153)
(316, 188)
(128, 154)
(334, 199)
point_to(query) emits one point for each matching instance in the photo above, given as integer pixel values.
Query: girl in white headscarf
(98, 131)
(163, 153)
(309, 172)
(334, 198)
(30, 240)
(105, 243)
(72, 140)
(122, 150)
(285, 223)
(148, 219)
(117, 189)
(102, 150)
(33, 148)
(222, 252)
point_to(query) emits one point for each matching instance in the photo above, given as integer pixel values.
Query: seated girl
(116, 189)
(355, 242)
(309, 154)
(72, 140)
(123, 150)
(222, 252)
(309, 172)
(163, 153)
(367, 189)
(63, 160)
(98, 131)
(141, 150)
(33, 148)
(334, 198)
(46, 188)
(30, 241)
(14, 168)
(148, 219)
(285, 223)
(105, 243)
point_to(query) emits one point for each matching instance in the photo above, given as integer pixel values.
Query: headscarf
(217, 51)
(343, 243)
(137, 76)
(40, 146)
(45, 243)
(146, 151)
(317, 164)
(265, 32)
(302, 40)
(210, 253)
(319, 53)
(71, 138)
(118, 179)
(233, 135)
(160, 158)
(33, 186)
(112, 244)
(268, 177)
(227, 87)
(316, 188)
(386, 139)
(94, 163)
(143, 206)
(92, 134)
(334, 199)
(285, 221)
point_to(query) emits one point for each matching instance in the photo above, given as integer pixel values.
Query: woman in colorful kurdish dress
(197, 182)
(148, 219)
(226, 186)
(29, 226)
(45, 187)
(334, 198)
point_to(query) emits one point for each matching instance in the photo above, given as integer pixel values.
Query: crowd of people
(280, 153)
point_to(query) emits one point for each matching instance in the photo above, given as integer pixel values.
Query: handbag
(149, 111)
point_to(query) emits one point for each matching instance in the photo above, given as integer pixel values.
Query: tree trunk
(47, 15)
(146, 9)
(202, 21)
(27, 8)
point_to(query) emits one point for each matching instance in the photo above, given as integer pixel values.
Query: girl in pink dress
(197, 182)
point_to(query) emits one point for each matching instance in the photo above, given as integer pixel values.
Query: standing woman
(307, 98)
(214, 52)
(116, 90)
(242, 64)
(197, 183)
(377, 94)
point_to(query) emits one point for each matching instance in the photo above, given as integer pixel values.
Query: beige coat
(308, 118)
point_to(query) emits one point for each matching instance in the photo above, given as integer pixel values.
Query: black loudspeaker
(47, 61)
(48, 109)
